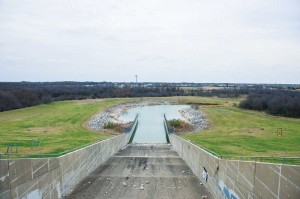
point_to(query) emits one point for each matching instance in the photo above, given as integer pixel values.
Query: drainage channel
(151, 123)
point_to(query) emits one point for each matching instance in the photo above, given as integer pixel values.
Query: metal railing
(133, 128)
(42, 155)
(168, 128)
(269, 159)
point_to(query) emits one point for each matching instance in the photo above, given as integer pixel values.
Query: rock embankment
(194, 117)
(112, 114)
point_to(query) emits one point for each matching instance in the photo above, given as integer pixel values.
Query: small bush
(113, 126)
(175, 123)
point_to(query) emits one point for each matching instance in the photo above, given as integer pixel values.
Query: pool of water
(151, 121)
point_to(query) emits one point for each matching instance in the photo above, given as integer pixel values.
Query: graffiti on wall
(227, 193)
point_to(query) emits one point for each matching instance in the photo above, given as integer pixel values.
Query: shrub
(113, 126)
(175, 123)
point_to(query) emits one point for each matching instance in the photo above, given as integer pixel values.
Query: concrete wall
(54, 177)
(240, 179)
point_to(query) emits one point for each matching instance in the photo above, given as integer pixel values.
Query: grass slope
(235, 131)
(59, 126)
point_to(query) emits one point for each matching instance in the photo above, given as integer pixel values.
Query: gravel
(192, 116)
(112, 114)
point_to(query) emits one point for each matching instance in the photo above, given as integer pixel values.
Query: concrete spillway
(142, 171)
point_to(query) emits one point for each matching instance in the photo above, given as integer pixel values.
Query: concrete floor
(142, 171)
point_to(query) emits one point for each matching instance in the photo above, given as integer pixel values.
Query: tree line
(276, 102)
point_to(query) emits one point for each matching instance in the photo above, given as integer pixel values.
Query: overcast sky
(255, 41)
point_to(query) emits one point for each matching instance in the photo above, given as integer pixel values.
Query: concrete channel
(142, 171)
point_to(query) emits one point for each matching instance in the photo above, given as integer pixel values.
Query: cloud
(200, 41)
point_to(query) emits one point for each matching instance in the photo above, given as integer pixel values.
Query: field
(237, 132)
(61, 127)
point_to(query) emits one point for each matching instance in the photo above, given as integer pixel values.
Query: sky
(238, 41)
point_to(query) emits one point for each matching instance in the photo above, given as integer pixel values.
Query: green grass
(60, 126)
(238, 132)
(214, 100)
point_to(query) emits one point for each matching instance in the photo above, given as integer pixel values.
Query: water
(151, 121)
